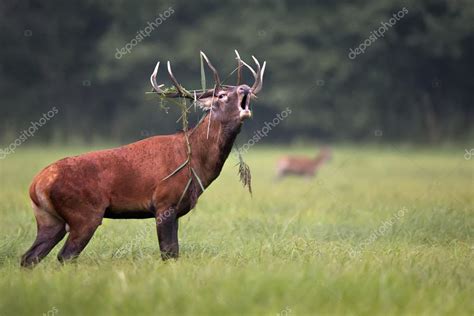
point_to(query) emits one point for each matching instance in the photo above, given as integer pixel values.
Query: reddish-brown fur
(302, 166)
(76, 193)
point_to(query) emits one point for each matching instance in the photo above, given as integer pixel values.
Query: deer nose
(245, 90)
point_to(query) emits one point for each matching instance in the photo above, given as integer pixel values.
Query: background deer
(302, 166)
(143, 179)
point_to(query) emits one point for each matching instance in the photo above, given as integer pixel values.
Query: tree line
(346, 70)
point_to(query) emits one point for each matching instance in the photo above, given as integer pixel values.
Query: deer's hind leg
(50, 231)
(81, 230)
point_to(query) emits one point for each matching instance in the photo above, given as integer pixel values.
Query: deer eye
(222, 95)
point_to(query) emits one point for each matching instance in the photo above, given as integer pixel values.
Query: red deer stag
(302, 166)
(145, 179)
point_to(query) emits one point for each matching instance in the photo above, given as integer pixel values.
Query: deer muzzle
(244, 106)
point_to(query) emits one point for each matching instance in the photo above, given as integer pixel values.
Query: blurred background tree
(414, 84)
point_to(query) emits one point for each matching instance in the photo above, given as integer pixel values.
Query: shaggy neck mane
(211, 142)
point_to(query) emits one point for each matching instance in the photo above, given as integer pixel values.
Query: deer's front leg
(167, 226)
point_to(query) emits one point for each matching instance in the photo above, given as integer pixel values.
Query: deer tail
(33, 194)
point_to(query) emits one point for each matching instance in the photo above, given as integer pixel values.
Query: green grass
(286, 251)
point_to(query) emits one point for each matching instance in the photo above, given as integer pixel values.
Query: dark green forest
(328, 61)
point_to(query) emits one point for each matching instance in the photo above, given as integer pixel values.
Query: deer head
(225, 102)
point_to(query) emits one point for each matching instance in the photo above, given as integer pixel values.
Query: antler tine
(256, 76)
(239, 67)
(181, 92)
(259, 81)
(250, 68)
(256, 61)
(216, 75)
(261, 77)
(257, 86)
(153, 79)
(176, 84)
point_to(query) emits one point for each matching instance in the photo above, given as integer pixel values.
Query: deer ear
(206, 103)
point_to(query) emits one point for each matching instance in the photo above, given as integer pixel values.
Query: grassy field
(381, 230)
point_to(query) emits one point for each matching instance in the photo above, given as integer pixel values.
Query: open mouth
(243, 103)
(244, 107)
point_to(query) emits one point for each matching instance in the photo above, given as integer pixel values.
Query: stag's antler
(239, 67)
(216, 75)
(197, 94)
(181, 92)
(257, 86)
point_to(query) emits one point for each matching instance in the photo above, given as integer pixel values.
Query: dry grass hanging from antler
(244, 173)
